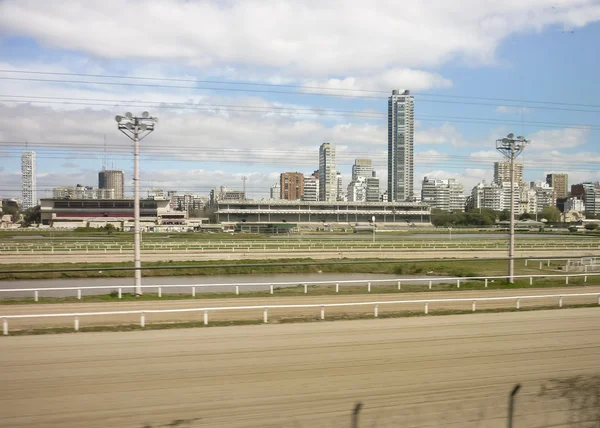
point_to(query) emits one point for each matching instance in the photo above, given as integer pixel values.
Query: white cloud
(513, 110)
(446, 134)
(311, 38)
(397, 78)
(565, 138)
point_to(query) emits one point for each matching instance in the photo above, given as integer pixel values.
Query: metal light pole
(511, 148)
(136, 129)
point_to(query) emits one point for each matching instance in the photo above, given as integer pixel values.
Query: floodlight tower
(136, 128)
(511, 148)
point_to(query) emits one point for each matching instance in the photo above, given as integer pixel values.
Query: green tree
(32, 215)
(525, 216)
(504, 215)
(551, 214)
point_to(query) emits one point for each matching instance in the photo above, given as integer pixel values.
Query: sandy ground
(451, 371)
(275, 315)
(76, 256)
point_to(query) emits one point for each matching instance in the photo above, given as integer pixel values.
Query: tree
(504, 215)
(32, 215)
(551, 214)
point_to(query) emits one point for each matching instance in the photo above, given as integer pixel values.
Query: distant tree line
(486, 217)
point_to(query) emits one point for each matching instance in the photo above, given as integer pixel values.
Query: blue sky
(519, 65)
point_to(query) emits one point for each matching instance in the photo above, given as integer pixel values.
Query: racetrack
(451, 371)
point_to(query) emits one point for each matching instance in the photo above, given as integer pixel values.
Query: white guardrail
(367, 282)
(266, 308)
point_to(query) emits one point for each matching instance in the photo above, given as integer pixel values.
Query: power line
(282, 85)
(129, 84)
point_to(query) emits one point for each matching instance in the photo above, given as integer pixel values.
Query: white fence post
(548, 262)
(541, 265)
(36, 296)
(159, 291)
(120, 293)
(305, 288)
(399, 285)
(265, 316)
(518, 303)
(5, 323)
(566, 280)
(76, 323)
(526, 260)
(271, 288)
(473, 306)
(79, 294)
(486, 283)
(193, 291)
(426, 308)
(531, 280)
(205, 317)
(585, 278)
(369, 287)
(322, 312)
(237, 289)
(560, 302)
(337, 287)
(458, 283)
(142, 320)
(376, 311)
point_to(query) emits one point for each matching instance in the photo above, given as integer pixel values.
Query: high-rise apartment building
(328, 184)
(401, 130)
(502, 173)
(373, 189)
(275, 191)
(447, 195)
(560, 184)
(362, 168)
(112, 179)
(311, 188)
(357, 190)
(29, 180)
(341, 196)
(292, 186)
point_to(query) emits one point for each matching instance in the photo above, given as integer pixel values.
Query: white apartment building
(311, 188)
(574, 204)
(275, 191)
(502, 172)
(401, 130)
(357, 190)
(29, 180)
(373, 189)
(328, 182)
(447, 195)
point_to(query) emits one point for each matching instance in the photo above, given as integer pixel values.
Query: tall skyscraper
(401, 131)
(560, 184)
(29, 180)
(502, 172)
(112, 179)
(362, 168)
(328, 185)
(291, 186)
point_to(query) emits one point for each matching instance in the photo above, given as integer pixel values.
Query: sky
(252, 88)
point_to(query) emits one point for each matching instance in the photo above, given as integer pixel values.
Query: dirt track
(451, 371)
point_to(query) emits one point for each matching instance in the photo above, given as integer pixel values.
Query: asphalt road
(276, 315)
(453, 371)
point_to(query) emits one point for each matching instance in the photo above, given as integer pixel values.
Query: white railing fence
(265, 308)
(271, 286)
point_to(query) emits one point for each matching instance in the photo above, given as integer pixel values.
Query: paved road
(453, 371)
(276, 315)
(114, 283)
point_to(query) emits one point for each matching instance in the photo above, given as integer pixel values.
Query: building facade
(502, 172)
(357, 190)
(275, 191)
(373, 189)
(291, 186)
(447, 195)
(560, 184)
(328, 184)
(401, 128)
(311, 188)
(224, 194)
(362, 168)
(112, 179)
(29, 179)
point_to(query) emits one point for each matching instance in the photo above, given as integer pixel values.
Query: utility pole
(511, 148)
(136, 129)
